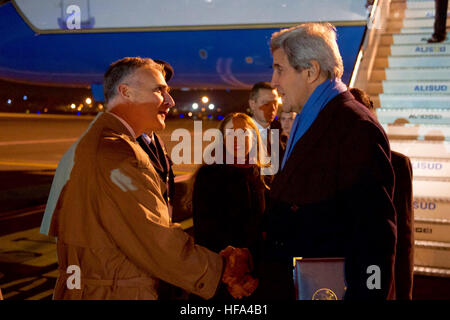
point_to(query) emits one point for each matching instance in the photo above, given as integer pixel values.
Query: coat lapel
(152, 155)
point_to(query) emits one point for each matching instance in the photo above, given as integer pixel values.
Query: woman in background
(228, 199)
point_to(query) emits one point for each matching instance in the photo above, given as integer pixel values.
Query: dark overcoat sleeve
(366, 182)
(403, 194)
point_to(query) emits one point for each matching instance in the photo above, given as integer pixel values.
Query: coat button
(201, 285)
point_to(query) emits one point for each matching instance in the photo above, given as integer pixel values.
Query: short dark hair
(362, 98)
(118, 70)
(258, 86)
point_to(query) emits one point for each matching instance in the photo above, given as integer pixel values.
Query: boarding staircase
(410, 86)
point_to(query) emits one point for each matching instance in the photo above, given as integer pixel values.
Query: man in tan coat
(107, 210)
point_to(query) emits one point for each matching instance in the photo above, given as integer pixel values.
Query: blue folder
(319, 278)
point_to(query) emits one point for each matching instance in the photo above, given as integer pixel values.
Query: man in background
(286, 120)
(263, 102)
(440, 21)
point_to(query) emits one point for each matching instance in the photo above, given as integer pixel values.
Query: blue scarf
(316, 102)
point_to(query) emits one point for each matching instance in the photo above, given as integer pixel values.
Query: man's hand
(237, 272)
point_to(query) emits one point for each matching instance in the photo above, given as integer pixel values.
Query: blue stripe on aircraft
(231, 58)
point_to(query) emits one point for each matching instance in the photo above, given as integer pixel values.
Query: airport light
(195, 106)
(73, 106)
(205, 99)
(9, 101)
(190, 114)
(211, 107)
(25, 97)
(280, 101)
(88, 100)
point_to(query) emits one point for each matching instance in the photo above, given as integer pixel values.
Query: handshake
(236, 275)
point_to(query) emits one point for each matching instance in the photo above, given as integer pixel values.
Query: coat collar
(114, 123)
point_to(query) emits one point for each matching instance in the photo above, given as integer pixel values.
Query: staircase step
(418, 132)
(387, 39)
(376, 101)
(431, 272)
(397, 6)
(424, 22)
(397, 13)
(395, 25)
(407, 61)
(424, 149)
(423, 101)
(431, 73)
(432, 253)
(410, 38)
(381, 62)
(416, 49)
(420, 4)
(427, 30)
(420, 49)
(432, 190)
(409, 87)
(413, 116)
(421, 13)
(411, 13)
(383, 51)
(432, 230)
(431, 209)
(374, 88)
(423, 168)
(378, 75)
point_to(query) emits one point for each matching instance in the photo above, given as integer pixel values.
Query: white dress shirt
(262, 131)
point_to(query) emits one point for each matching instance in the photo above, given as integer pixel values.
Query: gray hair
(122, 68)
(310, 41)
